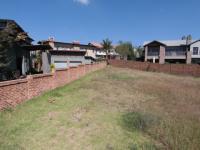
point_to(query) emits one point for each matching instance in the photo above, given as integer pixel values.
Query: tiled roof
(98, 45)
(20, 29)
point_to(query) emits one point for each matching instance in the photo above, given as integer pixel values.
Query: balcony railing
(175, 53)
(153, 54)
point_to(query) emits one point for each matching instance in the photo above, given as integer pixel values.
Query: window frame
(197, 51)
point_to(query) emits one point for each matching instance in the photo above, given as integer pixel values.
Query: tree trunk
(107, 58)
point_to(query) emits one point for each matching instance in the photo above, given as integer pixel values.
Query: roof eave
(155, 41)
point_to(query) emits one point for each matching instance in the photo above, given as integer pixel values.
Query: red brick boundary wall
(17, 91)
(179, 69)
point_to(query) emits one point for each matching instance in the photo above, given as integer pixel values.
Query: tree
(107, 46)
(6, 42)
(184, 37)
(126, 50)
(189, 37)
(140, 51)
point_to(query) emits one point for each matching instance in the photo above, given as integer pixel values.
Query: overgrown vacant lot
(110, 109)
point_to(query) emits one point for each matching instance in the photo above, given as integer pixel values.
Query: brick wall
(61, 77)
(13, 92)
(179, 69)
(17, 91)
(39, 83)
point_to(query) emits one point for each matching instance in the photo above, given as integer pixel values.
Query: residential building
(195, 51)
(174, 51)
(64, 55)
(98, 51)
(113, 54)
(14, 58)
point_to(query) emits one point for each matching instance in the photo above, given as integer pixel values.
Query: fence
(17, 91)
(179, 69)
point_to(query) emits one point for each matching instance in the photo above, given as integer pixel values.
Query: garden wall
(179, 69)
(17, 91)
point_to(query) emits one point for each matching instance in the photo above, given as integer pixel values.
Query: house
(174, 51)
(98, 51)
(195, 51)
(43, 58)
(101, 53)
(114, 55)
(15, 51)
(14, 59)
(64, 55)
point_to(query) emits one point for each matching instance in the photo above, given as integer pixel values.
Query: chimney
(51, 41)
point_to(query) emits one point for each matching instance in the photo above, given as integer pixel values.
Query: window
(175, 51)
(195, 50)
(153, 51)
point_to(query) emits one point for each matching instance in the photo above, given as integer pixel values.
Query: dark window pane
(195, 50)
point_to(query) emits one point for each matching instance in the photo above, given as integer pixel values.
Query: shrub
(52, 66)
(138, 121)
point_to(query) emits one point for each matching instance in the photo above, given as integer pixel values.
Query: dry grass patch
(112, 109)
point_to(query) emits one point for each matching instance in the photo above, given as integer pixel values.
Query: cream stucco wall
(197, 44)
(91, 53)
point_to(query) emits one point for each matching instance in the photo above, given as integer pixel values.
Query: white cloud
(83, 2)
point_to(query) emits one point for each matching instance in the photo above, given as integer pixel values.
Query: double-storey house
(98, 51)
(174, 51)
(64, 55)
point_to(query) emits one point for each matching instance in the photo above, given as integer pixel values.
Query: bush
(6, 74)
(138, 121)
(52, 66)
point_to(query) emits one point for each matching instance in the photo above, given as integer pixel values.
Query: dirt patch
(78, 113)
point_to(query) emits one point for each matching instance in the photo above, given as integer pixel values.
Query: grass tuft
(138, 121)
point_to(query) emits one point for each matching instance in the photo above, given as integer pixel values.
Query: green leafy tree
(126, 50)
(107, 46)
(184, 37)
(6, 43)
(189, 37)
(140, 51)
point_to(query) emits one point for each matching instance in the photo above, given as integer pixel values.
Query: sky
(94, 20)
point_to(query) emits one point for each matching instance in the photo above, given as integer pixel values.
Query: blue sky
(94, 20)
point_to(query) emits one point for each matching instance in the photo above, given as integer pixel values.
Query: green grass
(111, 109)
